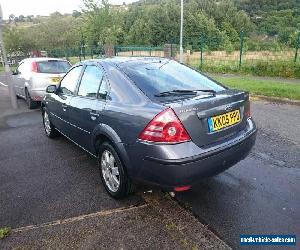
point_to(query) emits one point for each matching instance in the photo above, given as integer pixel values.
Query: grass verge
(4, 232)
(12, 68)
(285, 69)
(262, 87)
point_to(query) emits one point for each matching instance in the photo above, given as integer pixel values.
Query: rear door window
(69, 82)
(90, 81)
(53, 67)
(103, 90)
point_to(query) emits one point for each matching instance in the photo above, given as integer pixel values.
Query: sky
(44, 7)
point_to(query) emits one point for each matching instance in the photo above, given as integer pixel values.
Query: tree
(56, 14)
(57, 32)
(138, 33)
(21, 18)
(76, 13)
(19, 39)
(11, 17)
(265, 23)
(11, 37)
(101, 23)
(29, 18)
(152, 24)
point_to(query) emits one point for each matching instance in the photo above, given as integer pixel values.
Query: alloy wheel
(110, 171)
(47, 123)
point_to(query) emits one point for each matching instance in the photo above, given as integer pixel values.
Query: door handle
(94, 115)
(64, 107)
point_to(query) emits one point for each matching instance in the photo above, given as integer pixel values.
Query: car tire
(30, 103)
(50, 130)
(112, 171)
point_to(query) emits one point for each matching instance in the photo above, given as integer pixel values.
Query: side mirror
(51, 89)
(103, 96)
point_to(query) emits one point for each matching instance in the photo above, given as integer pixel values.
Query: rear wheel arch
(31, 103)
(104, 133)
(26, 87)
(100, 139)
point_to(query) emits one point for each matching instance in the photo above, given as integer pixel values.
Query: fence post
(79, 54)
(67, 54)
(173, 48)
(83, 49)
(241, 48)
(297, 47)
(201, 49)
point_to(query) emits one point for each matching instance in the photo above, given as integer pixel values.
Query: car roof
(40, 59)
(122, 61)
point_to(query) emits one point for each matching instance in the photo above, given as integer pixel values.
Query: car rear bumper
(170, 173)
(37, 95)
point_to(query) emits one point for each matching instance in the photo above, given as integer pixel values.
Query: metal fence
(139, 51)
(220, 55)
(243, 51)
(209, 53)
(77, 53)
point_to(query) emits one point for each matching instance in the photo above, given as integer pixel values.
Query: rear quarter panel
(128, 110)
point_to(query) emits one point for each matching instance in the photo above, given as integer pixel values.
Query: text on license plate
(225, 120)
(55, 79)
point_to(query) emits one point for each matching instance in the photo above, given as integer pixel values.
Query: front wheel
(50, 130)
(112, 171)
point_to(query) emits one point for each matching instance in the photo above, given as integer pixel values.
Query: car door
(19, 79)
(58, 106)
(86, 107)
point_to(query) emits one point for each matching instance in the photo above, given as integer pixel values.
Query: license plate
(223, 121)
(55, 79)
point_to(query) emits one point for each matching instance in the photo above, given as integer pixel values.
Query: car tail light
(181, 189)
(34, 67)
(165, 128)
(248, 110)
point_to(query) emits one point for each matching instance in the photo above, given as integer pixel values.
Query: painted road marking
(3, 84)
(78, 218)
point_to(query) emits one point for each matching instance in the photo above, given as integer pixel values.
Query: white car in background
(33, 75)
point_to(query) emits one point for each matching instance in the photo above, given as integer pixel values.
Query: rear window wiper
(185, 92)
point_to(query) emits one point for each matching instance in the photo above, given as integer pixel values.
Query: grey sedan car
(150, 120)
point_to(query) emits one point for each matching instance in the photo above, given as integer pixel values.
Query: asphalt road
(260, 195)
(43, 180)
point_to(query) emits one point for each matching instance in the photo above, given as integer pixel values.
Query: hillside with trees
(267, 24)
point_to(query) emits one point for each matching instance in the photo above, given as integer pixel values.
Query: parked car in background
(150, 120)
(33, 75)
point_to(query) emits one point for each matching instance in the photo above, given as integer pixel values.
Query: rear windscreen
(156, 77)
(53, 67)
